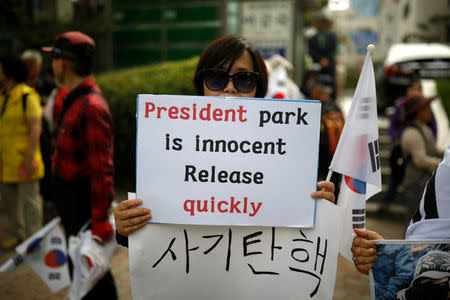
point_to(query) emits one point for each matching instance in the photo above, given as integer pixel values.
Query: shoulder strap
(67, 103)
(413, 125)
(24, 102)
(5, 101)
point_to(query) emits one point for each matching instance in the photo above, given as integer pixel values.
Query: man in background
(40, 81)
(82, 163)
(322, 48)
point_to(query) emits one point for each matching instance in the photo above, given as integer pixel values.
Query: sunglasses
(56, 53)
(243, 81)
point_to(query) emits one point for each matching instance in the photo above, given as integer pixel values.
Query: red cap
(73, 43)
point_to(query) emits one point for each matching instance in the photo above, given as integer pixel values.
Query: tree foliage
(121, 88)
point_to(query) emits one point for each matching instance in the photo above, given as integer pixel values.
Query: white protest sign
(227, 161)
(224, 262)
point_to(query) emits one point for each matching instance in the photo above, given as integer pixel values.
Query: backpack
(46, 146)
(332, 123)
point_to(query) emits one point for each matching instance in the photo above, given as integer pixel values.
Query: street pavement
(23, 283)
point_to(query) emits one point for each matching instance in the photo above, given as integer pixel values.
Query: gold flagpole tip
(370, 47)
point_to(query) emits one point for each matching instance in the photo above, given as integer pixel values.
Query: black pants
(74, 207)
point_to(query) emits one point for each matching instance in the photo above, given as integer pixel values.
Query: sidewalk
(23, 283)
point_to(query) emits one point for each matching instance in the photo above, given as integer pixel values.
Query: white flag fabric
(357, 154)
(46, 253)
(280, 86)
(357, 157)
(277, 85)
(432, 220)
(352, 200)
(90, 261)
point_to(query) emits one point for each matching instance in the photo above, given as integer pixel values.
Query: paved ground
(23, 283)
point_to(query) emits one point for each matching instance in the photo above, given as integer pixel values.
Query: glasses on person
(243, 81)
(56, 53)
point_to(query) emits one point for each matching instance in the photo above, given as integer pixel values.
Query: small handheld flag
(45, 251)
(357, 156)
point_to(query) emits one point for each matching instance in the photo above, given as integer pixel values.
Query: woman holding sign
(229, 67)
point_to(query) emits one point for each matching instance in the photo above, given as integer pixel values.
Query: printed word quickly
(192, 112)
(232, 207)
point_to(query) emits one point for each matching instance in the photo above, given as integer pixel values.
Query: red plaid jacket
(84, 150)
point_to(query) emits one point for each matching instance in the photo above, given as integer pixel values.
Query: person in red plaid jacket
(82, 163)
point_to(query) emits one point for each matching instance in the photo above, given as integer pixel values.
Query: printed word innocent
(256, 147)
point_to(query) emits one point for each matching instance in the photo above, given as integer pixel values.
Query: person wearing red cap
(82, 163)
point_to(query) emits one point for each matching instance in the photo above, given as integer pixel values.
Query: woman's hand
(364, 250)
(129, 217)
(326, 191)
(27, 167)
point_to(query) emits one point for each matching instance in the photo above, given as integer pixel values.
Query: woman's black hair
(228, 49)
(15, 68)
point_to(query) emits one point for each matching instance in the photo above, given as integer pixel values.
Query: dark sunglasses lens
(56, 53)
(244, 82)
(216, 80)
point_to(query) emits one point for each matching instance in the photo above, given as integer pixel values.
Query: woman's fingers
(326, 191)
(128, 209)
(129, 217)
(326, 185)
(362, 243)
(323, 195)
(368, 234)
(363, 260)
(129, 230)
(133, 213)
(136, 221)
(127, 204)
(364, 268)
(364, 250)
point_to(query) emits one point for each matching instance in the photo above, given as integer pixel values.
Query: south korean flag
(46, 253)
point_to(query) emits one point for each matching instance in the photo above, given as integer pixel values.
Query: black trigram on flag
(17, 259)
(359, 218)
(55, 240)
(374, 155)
(54, 276)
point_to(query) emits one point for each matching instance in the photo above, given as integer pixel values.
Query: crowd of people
(79, 175)
(56, 138)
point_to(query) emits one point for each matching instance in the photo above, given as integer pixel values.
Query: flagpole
(12, 263)
(330, 172)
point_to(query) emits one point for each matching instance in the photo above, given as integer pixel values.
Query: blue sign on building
(363, 38)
